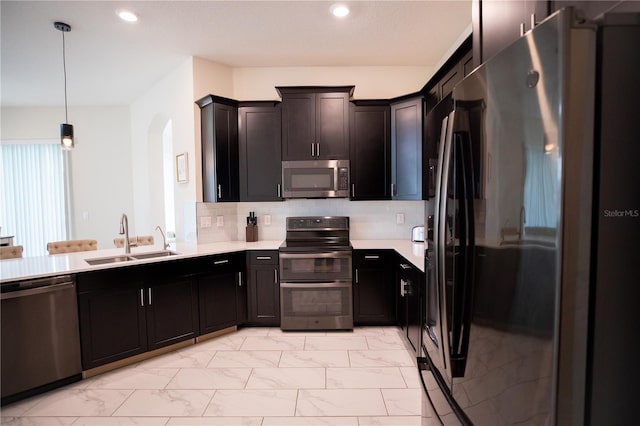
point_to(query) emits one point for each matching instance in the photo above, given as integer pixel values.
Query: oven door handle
(326, 254)
(335, 284)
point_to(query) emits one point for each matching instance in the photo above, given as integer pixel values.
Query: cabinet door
(332, 126)
(260, 152)
(112, 324)
(374, 301)
(217, 300)
(370, 146)
(264, 296)
(172, 312)
(226, 149)
(264, 288)
(298, 126)
(410, 282)
(406, 150)
(498, 24)
(220, 178)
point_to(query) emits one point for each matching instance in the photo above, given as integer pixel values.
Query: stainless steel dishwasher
(39, 335)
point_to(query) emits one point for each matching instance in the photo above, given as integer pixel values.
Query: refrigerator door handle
(439, 232)
(463, 264)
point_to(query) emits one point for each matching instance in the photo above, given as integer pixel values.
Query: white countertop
(71, 263)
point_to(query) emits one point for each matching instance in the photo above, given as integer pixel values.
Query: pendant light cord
(64, 67)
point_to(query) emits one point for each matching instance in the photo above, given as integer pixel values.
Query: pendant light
(66, 129)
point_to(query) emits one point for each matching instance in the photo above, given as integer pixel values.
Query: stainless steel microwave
(315, 179)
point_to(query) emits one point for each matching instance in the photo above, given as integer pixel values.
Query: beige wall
(101, 168)
(369, 82)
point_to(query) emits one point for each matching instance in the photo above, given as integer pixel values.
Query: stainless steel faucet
(124, 230)
(165, 246)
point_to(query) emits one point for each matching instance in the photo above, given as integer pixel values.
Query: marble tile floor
(256, 376)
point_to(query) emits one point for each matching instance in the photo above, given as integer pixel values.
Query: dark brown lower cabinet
(112, 325)
(410, 288)
(263, 287)
(172, 312)
(374, 300)
(129, 311)
(222, 293)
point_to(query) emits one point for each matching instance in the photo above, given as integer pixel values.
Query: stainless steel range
(315, 274)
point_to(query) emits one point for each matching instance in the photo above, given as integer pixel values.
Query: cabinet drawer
(263, 257)
(373, 258)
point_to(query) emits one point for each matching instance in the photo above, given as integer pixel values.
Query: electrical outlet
(205, 222)
(267, 219)
(399, 218)
(219, 221)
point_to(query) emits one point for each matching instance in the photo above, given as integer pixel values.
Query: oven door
(316, 306)
(328, 266)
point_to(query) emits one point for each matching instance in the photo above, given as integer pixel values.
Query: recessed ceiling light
(127, 15)
(339, 10)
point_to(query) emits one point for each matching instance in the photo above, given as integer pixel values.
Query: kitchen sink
(130, 257)
(153, 255)
(111, 259)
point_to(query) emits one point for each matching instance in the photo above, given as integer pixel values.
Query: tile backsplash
(373, 220)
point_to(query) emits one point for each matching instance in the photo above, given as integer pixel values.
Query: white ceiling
(111, 62)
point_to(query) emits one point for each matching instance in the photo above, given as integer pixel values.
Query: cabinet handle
(405, 266)
(357, 279)
(278, 190)
(403, 292)
(239, 279)
(313, 149)
(275, 275)
(149, 292)
(372, 256)
(219, 191)
(221, 262)
(141, 297)
(521, 29)
(353, 190)
(317, 150)
(263, 257)
(393, 189)
(533, 21)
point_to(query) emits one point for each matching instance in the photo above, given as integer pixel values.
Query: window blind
(32, 189)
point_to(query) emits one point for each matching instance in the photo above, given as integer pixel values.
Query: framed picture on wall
(182, 168)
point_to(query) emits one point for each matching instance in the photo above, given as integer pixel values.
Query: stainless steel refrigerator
(532, 268)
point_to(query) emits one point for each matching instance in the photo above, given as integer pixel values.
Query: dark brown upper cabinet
(315, 122)
(498, 23)
(406, 148)
(220, 163)
(259, 130)
(370, 147)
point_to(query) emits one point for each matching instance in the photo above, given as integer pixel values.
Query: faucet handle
(133, 242)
